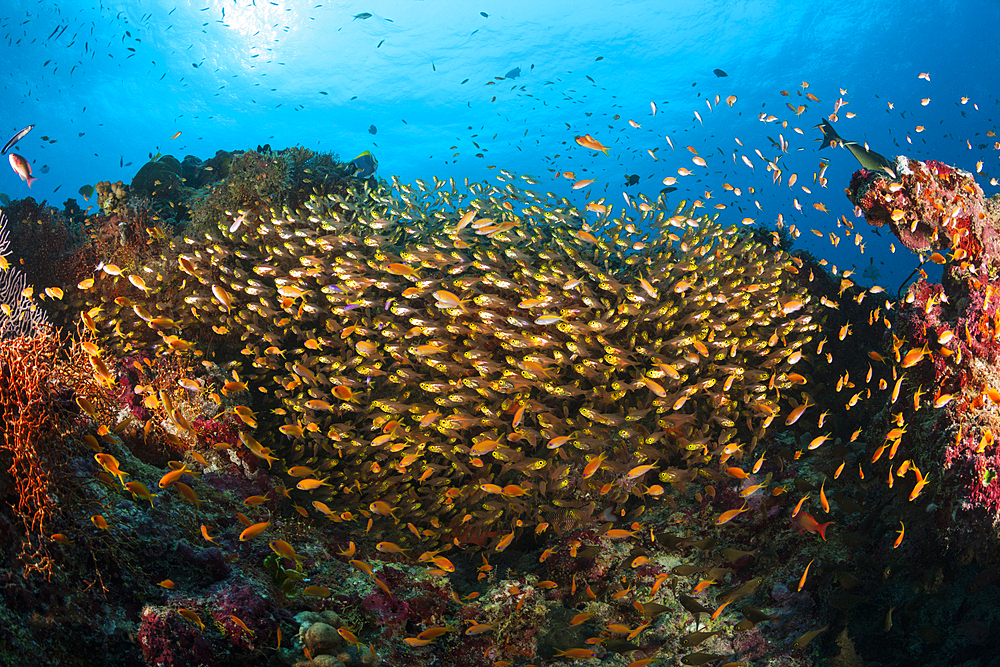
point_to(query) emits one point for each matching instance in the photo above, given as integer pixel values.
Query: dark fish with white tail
(16, 138)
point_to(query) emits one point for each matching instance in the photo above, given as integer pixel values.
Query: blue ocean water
(452, 89)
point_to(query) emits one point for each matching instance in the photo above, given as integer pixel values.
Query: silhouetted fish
(16, 138)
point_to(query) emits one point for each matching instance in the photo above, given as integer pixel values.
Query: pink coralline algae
(167, 640)
(252, 610)
(212, 431)
(935, 208)
(929, 206)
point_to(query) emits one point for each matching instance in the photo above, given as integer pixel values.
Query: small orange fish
(593, 465)
(434, 633)
(729, 515)
(639, 471)
(576, 653)
(285, 550)
(191, 617)
(478, 628)
(919, 486)
(362, 566)
(240, 623)
(806, 522)
(718, 612)
(172, 476)
(914, 356)
(588, 141)
(798, 506)
(254, 530)
(187, 493)
(391, 548)
(110, 464)
(802, 581)
(659, 582)
(311, 484)
(899, 540)
(505, 541)
(796, 414)
(703, 584)
(204, 533)
(382, 508)
(618, 533)
(139, 489)
(317, 591)
(416, 642)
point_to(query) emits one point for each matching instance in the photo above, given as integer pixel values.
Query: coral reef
(111, 195)
(943, 413)
(19, 314)
(355, 424)
(42, 239)
(260, 180)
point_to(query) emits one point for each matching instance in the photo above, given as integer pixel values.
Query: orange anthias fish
(805, 521)
(110, 464)
(576, 653)
(588, 141)
(254, 530)
(729, 515)
(139, 489)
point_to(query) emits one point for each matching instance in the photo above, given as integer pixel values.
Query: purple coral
(167, 640)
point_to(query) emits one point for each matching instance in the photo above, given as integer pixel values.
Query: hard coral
(254, 181)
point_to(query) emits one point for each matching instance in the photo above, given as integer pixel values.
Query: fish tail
(829, 134)
(821, 529)
(30, 180)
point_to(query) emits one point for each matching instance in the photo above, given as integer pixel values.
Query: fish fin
(829, 134)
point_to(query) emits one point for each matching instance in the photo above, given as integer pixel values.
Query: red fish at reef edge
(805, 521)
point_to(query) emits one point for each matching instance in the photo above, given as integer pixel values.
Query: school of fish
(505, 366)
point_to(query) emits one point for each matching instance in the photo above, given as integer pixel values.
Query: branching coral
(34, 435)
(19, 314)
